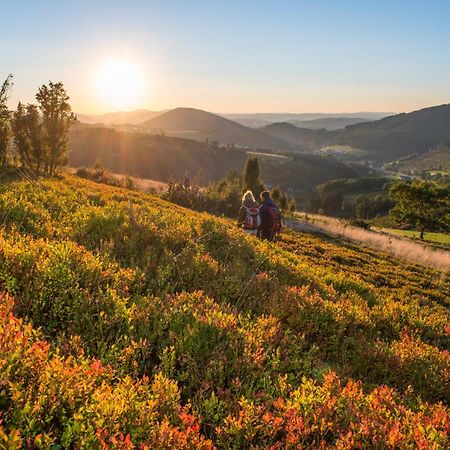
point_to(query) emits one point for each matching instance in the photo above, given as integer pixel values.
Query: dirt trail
(395, 246)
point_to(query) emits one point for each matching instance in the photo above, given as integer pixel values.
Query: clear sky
(234, 56)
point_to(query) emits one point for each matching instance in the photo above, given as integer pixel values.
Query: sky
(232, 56)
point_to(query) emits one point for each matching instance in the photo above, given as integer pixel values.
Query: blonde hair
(248, 196)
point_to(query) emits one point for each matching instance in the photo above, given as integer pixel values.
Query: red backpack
(252, 219)
(276, 219)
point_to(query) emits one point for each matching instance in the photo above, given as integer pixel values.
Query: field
(437, 238)
(342, 151)
(129, 322)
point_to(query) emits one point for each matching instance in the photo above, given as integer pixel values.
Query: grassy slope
(158, 325)
(438, 238)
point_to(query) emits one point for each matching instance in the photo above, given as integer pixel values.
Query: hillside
(400, 135)
(164, 158)
(436, 159)
(201, 125)
(119, 117)
(258, 120)
(304, 138)
(386, 139)
(328, 123)
(128, 321)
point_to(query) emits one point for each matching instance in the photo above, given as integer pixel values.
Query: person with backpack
(249, 219)
(270, 218)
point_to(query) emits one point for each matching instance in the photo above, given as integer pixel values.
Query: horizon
(233, 58)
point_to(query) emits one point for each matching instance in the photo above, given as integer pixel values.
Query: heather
(130, 322)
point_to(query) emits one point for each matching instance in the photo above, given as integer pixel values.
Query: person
(270, 217)
(249, 214)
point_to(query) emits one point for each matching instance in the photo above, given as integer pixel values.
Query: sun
(119, 84)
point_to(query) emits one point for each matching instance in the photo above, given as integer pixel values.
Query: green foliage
(251, 177)
(57, 117)
(100, 174)
(422, 204)
(5, 127)
(127, 321)
(30, 145)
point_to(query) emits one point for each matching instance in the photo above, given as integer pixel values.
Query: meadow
(129, 322)
(436, 238)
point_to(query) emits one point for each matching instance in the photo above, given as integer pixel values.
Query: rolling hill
(385, 139)
(201, 125)
(128, 322)
(165, 157)
(119, 117)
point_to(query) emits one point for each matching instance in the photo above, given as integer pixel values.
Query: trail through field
(395, 246)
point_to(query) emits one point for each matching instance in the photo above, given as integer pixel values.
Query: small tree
(276, 194)
(29, 137)
(5, 115)
(251, 176)
(57, 117)
(284, 203)
(292, 206)
(421, 204)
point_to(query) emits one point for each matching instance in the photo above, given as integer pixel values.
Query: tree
(292, 206)
(5, 115)
(422, 204)
(276, 194)
(284, 203)
(251, 176)
(29, 137)
(57, 117)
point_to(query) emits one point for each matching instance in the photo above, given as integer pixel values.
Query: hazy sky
(235, 56)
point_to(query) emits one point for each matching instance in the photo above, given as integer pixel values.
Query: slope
(125, 320)
(164, 158)
(201, 125)
(119, 117)
(386, 139)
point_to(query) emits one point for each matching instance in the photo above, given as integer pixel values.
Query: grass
(437, 238)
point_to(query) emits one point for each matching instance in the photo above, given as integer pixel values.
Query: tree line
(35, 136)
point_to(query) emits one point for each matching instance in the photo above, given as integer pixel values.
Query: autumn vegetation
(129, 322)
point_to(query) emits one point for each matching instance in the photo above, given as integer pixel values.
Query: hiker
(249, 214)
(270, 218)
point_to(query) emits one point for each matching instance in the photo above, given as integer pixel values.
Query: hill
(201, 125)
(328, 123)
(436, 159)
(165, 157)
(303, 138)
(128, 321)
(385, 139)
(258, 120)
(119, 117)
(400, 135)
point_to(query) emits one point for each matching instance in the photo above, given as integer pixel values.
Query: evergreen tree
(276, 194)
(283, 203)
(251, 176)
(5, 128)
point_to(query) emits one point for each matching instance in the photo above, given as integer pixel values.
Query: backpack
(276, 219)
(252, 219)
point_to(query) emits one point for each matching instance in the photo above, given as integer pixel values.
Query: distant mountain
(386, 139)
(201, 125)
(258, 120)
(303, 138)
(119, 117)
(328, 123)
(399, 135)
